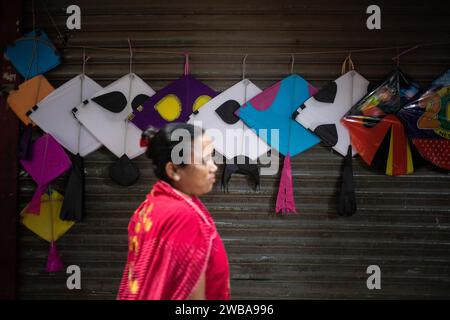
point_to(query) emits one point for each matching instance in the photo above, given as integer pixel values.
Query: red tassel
(54, 262)
(285, 197)
(143, 142)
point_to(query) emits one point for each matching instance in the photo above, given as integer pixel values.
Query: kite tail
(73, 205)
(246, 168)
(54, 262)
(285, 197)
(25, 143)
(34, 206)
(347, 200)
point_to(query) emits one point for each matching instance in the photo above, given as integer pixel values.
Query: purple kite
(48, 160)
(175, 102)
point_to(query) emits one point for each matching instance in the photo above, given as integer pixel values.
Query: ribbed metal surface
(402, 223)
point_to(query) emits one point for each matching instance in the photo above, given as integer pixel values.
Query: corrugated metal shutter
(402, 223)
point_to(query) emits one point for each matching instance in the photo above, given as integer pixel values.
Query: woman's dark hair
(160, 144)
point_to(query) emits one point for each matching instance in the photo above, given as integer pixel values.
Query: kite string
(243, 67)
(61, 37)
(186, 64)
(44, 158)
(245, 99)
(408, 48)
(85, 59)
(292, 63)
(347, 62)
(129, 97)
(33, 55)
(397, 57)
(51, 212)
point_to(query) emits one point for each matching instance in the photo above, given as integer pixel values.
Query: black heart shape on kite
(114, 101)
(327, 133)
(124, 172)
(327, 94)
(138, 101)
(226, 111)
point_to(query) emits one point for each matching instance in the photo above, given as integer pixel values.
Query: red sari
(172, 241)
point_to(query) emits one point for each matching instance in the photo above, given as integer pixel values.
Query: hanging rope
(131, 54)
(129, 96)
(407, 48)
(60, 36)
(397, 57)
(347, 65)
(35, 40)
(84, 60)
(292, 63)
(245, 99)
(186, 64)
(243, 66)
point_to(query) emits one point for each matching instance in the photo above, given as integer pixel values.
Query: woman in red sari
(175, 251)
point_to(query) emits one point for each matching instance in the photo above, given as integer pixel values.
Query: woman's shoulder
(175, 212)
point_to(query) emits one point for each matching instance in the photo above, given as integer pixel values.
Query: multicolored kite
(274, 109)
(48, 161)
(33, 54)
(376, 132)
(173, 103)
(322, 114)
(106, 114)
(48, 225)
(231, 137)
(427, 121)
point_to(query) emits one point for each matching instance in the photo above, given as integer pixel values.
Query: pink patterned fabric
(285, 197)
(172, 241)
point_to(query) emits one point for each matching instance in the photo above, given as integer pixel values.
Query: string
(50, 193)
(266, 54)
(245, 98)
(131, 54)
(292, 63)
(243, 67)
(85, 59)
(34, 52)
(61, 37)
(397, 57)
(44, 159)
(347, 62)
(129, 97)
(186, 64)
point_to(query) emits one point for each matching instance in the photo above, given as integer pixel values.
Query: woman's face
(198, 177)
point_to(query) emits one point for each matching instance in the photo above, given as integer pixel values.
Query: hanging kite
(274, 109)
(54, 115)
(73, 205)
(33, 54)
(322, 114)
(175, 102)
(21, 101)
(48, 225)
(105, 115)
(48, 161)
(28, 95)
(427, 121)
(376, 132)
(231, 137)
